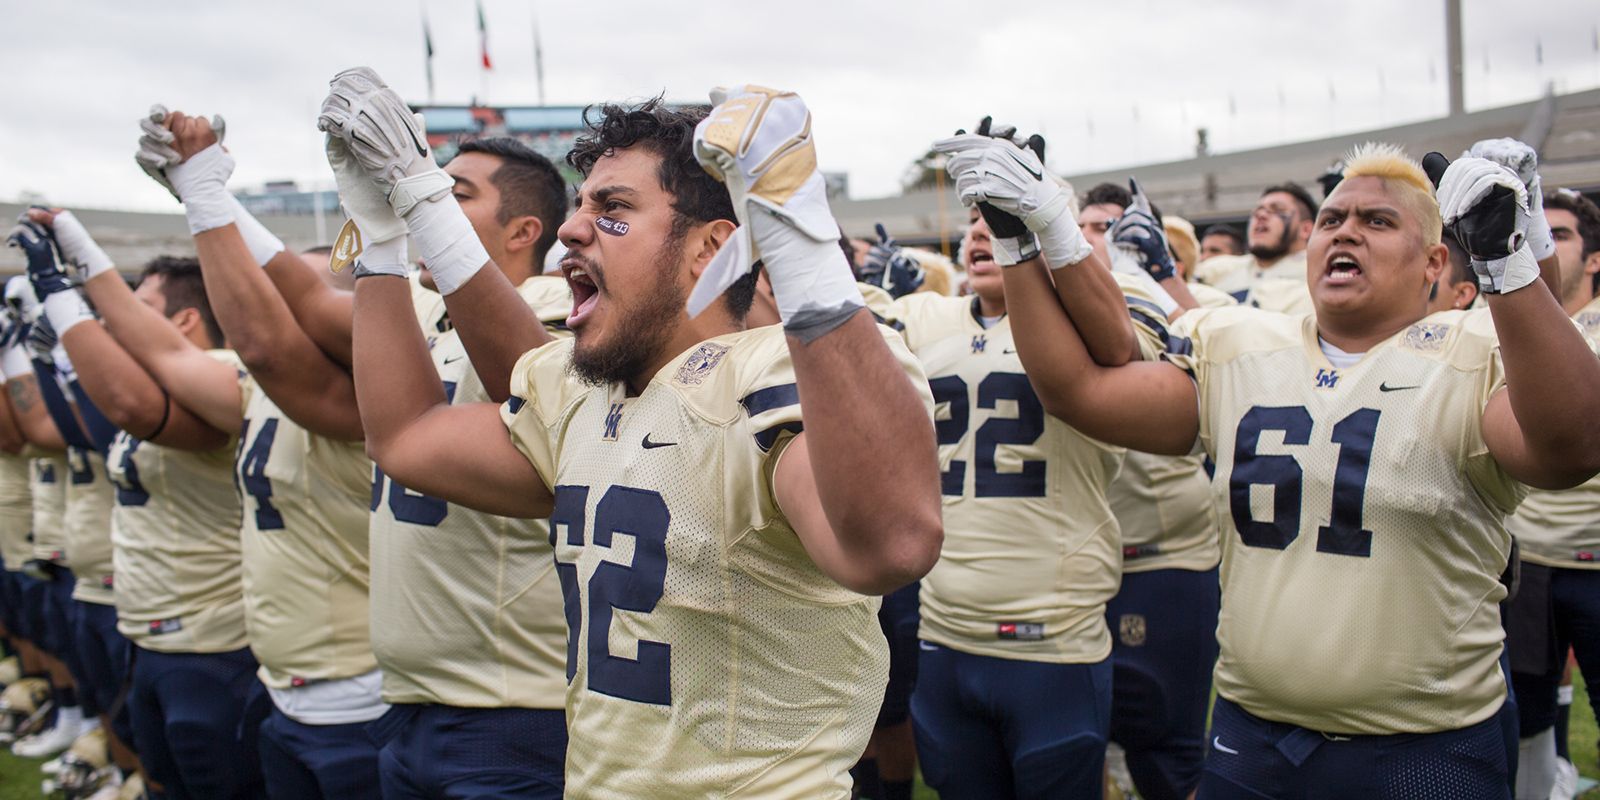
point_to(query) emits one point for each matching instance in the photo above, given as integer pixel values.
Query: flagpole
(538, 55)
(427, 52)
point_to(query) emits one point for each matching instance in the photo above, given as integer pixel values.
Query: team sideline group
(271, 529)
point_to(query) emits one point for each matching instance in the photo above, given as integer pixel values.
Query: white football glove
(364, 203)
(78, 248)
(1522, 160)
(21, 298)
(757, 141)
(156, 146)
(1485, 206)
(390, 144)
(992, 170)
(201, 184)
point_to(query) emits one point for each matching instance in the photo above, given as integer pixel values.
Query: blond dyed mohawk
(1399, 172)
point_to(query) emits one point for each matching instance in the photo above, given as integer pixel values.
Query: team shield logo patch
(699, 365)
(1426, 336)
(1131, 630)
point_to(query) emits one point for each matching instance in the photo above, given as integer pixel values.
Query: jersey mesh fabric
(90, 497)
(49, 485)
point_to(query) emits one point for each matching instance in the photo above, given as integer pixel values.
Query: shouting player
(1366, 456)
(715, 536)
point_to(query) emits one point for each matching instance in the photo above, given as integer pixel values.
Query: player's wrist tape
(1541, 240)
(1506, 275)
(66, 309)
(260, 241)
(1012, 250)
(811, 281)
(78, 247)
(447, 242)
(202, 184)
(383, 258)
(15, 362)
(1062, 241)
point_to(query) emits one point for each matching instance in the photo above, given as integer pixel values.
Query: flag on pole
(483, 38)
(538, 57)
(427, 51)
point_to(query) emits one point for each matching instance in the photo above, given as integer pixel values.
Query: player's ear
(1466, 295)
(1591, 265)
(1438, 262)
(708, 238)
(523, 233)
(186, 320)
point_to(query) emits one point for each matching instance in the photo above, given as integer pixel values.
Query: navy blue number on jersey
(1023, 429)
(642, 515)
(130, 492)
(1354, 434)
(406, 505)
(252, 471)
(79, 469)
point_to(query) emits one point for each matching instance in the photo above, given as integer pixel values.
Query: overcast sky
(1110, 83)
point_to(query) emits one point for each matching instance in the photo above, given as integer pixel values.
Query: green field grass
(19, 777)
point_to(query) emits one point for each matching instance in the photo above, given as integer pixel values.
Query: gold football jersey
(1162, 503)
(47, 481)
(1030, 547)
(90, 497)
(1280, 287)
(466, 606)
(1562, 529)
(707, 655)
(1362, 515)
(16, 511)
(175, 534)
(1209, 297)
(304, 540)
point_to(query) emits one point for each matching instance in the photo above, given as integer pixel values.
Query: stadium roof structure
(1223, 187)
(1214, 188)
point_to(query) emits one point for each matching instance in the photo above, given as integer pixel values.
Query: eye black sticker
(612, 226)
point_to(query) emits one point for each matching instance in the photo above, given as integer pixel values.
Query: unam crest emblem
(1590, 322)
(699, 365)
(1131, 630)
(1426, 336)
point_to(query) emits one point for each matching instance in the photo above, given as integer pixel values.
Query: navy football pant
(103, 652)
(1575, 607)
(1253, 759)
(428, 752)
(899, 618)
(1164, 632)
(998, 728)
(308, 762)
(187, 710)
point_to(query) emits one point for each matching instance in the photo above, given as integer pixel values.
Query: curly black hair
(668, 133)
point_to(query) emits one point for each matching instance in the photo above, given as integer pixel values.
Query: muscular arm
(1145, 406)
(11, 439)
(323, 312)
(462, 454)
(195, 380)
(864, 422)
(1094, 301)
(496, 327)
(32, 419)
(297, 374)
(129, 397)
(1541, 427)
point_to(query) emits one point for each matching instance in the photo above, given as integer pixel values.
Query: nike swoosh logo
(453, 359)
(1024, 165)
(1384, 387)
(421, 151)
(1216, 741)
(1007, 352)
(649, 445)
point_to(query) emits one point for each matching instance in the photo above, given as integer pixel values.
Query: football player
(715, 542)
(176, 522)
(304, 531)
(1013, 695)
(466, 608)
(1366, 456)
(1280, 226)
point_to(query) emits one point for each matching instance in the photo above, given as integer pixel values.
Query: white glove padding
(1013, 180)
(78, 248)
(1521, 159)
(157, 151)
(386, 139)
(363, 201)
(757, 141)
(1485, 206)
(201, 182)
(20, 297)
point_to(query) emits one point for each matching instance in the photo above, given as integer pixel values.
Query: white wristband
(15, 362)
(262, 244)
(78, 247)
(66, 309)
(201, 183)
(447, 242)
(1063, 243)
(387, 257)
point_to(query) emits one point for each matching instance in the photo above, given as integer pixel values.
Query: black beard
(1272, 252)
(640, 337)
